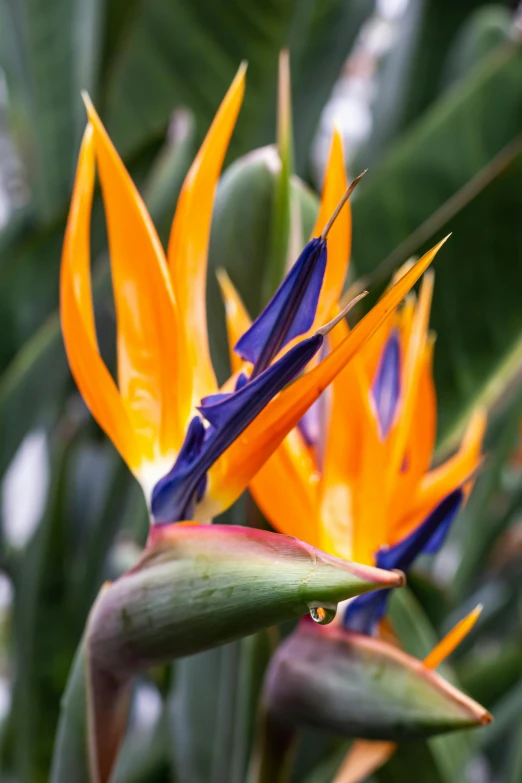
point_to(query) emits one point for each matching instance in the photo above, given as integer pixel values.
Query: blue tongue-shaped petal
(292, 309)
(290, 312)
(364, 612)
(175, 495)
(386, 387)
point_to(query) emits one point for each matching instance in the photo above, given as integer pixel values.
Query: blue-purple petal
(290, 312)
(174, 497)
(164, 502)
(251, 398)
(364, 612)
(310, 424)
(386, 387)
(426, 538)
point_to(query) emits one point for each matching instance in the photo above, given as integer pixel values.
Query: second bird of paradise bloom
(353, 477)
(193, 446)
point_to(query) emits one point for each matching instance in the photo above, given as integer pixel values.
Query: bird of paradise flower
(193, 446)
(353, 477)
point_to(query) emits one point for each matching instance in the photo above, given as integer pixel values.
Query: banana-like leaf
(70, 750)
(414, 72)
(458, 169)
(213, 709)
(197, 587)
(483, 30)
(50, 53)
(151, 73)
(359, 686)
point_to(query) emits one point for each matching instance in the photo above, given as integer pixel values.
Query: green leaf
(43, 616)
(489, 677)
(484, 29)
(186, 53)
(213, 708)
(480, 523)
(281, 219)
(458, 169)
(70, 760)
(50, 54)
(321, 39)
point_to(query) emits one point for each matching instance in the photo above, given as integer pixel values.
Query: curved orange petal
(237, 318)
(148, 369)
(346, 434)
(339, 240)
(411, 374)
(419, 448)
(232, 472)
(286, 489)
(424, 430)
(76, 312)
(442, 480)
(452, 639)
(188, 243)
(364, 758)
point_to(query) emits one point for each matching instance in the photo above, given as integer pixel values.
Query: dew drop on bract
(323, 615)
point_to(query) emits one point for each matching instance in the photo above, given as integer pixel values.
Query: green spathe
(359, 686)
(195, 587)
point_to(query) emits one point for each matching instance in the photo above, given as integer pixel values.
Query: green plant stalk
(282, 198)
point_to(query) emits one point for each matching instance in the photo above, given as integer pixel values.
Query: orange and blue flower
(193, 446)
(354, 477)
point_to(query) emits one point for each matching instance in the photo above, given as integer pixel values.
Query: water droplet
(323, 615)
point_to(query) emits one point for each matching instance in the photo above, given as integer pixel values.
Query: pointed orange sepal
(443, 479)
(188, 244)
(147, 324)
(237, 318)
(340, 235)
(452, 639)
(77, 318)
(364, 758)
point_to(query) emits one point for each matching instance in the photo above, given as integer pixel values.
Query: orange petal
(237, 466)
(148, 369)
(452, 639)
(411, 374)
(402, 319)
(424, 429)
(90, 373)
(442, 480)
(340, 235)
(419, 450)
(237, 318)
(286, 490)
(188, 244)
(364, 758)
(349, 429)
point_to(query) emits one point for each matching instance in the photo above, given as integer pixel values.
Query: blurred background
(428, 96)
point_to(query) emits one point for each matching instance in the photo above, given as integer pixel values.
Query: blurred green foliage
(445, 154)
